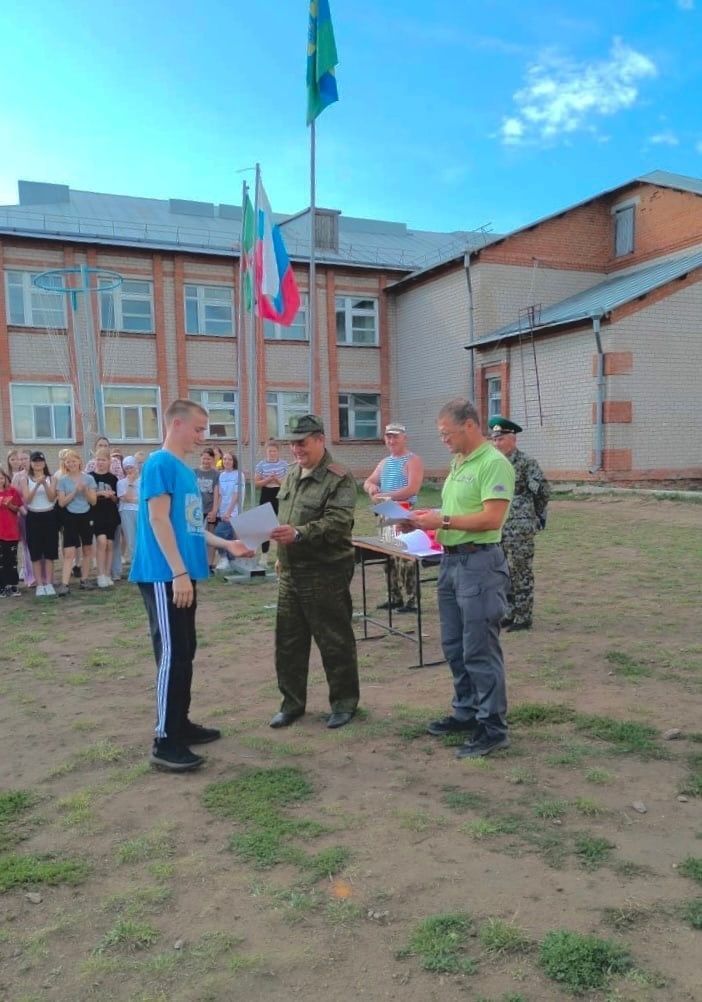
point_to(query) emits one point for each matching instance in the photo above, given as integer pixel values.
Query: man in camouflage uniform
(527, 515)
(317, 500)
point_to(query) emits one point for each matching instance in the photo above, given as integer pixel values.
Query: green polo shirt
(484, 475)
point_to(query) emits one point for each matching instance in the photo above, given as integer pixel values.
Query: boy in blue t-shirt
(170, 557)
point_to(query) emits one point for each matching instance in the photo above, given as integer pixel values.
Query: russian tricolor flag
(277, 294)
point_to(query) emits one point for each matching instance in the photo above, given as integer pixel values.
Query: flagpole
(253, 363)
(312, 294)
(241, 339)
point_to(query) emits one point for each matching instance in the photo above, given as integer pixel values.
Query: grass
(157, 844)
(599, 776)
(692, 868)
(13, 806)
(137, 902)
(551, 809)
(691, 786)
(127, 935)
(581, 963)
(590, 808)
(439, 942)
(593, 851)
(327, 863)
(24, 871)
(691, 912)
(628, 736)
(627, 916)
(626, 666)
(420, 821)
(533, 714)
(462, 800)
(483, 828)
(500, 938)
(341, 914)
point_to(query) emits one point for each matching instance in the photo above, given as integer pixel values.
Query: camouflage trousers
(519, 550)
(316, 604)
(402, 581)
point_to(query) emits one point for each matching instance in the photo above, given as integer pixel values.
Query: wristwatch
(298, 536)
(445, 521)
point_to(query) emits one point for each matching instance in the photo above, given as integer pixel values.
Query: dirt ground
(543, 836)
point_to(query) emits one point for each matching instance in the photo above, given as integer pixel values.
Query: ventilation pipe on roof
(471, 326)
(599, 398)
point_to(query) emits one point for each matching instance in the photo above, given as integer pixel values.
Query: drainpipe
(599, 398)
(471, 325)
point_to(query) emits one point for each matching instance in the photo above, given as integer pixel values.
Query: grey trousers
(472, 594)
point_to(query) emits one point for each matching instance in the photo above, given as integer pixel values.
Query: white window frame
(492, 396)
(283, 414)
(29, 293)
(133, 386)
(34, 437)
(350, 407)
(117, 297)
(202, 301)
(276, 332)
(344, 304)
(201, 395)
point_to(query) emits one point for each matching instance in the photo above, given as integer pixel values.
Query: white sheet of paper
(418, 543)
(255, 526)
(391, 511)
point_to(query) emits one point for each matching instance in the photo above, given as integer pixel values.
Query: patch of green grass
(22, 871)
(100, 659)
(691, 786)
(590, 808)
(550, 809)
(581, 963)
(212, 945)
(522, 777)
(692, 868)
(627, 916)
(628, 736)
(691, 912)
(127, 935)
(593, 851)
(462, 800)
(599, 776)
(327, 863)
(13, 803)
(297, 903)
(499, 937)
(439, 942)
(138, 901)
(624, 665)
(483, 828)
(77, 810)
(420, 821)
(245, 962)
(533, 714)
(156, 844)
(341, 914)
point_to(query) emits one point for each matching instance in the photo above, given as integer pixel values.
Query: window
(42, 413)
(223, 407)
(297, 331)
(132, 413)
(356, 321)
(359, 415)
(624, 230)
(129, 308)
(280, 407)
(29, 306)
(208, 310)
(494, 396)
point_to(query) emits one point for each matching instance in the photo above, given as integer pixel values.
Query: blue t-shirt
(164, 473)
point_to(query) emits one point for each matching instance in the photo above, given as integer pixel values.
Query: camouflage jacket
(321, 506)
(531, 494)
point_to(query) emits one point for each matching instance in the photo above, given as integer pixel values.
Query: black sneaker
(407, 607)
(482, 744)
(514, 627)
(389, 605)
(175, 758)
(196, 734)
(450, 725)
(12, 591)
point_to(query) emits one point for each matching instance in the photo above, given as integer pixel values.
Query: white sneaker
(49, 589)
(223, 564)
(40, 591)
(102, 581)
(109, 580)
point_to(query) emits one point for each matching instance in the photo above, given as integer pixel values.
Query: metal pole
(312, 295)
(253, 361)
(241, 337)
(471, 326)
(93, 353)
(599, 398)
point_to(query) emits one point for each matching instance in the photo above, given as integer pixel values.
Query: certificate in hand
(391, 511)
(255, 526)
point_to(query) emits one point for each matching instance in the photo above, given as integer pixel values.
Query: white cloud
(562, 96)
(665, 138)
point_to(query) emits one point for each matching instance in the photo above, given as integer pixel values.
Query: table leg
(365, 600)
(418, 589)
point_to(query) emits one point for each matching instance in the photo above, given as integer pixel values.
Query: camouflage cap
(302, 425)
(503, 424)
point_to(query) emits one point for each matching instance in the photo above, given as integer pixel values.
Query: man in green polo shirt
(473, 580)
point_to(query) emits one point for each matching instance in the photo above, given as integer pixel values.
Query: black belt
(468, 547)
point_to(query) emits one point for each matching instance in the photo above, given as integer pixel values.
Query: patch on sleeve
(499, 488)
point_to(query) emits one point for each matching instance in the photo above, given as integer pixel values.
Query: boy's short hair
(182, 407)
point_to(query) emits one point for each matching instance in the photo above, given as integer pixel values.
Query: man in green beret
(527, 516)
(317, 500)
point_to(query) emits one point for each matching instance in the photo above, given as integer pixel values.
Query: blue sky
(451, 115)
